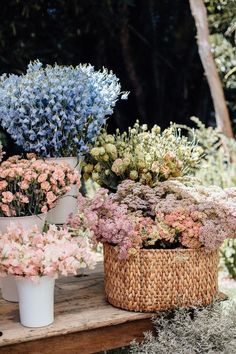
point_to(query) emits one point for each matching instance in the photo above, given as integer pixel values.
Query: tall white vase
(36, 301)
(68, 203)
(8, 284)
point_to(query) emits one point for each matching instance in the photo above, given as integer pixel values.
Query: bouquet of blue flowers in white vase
(57, 112)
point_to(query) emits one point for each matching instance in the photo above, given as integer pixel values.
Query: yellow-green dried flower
(141, 165)
(105, 157)
(144, 155)
(155, 168)
(88, 168)
(133, 175)
(111, 150)
(96, 177)
(118, 167)
(95, 152)
(86, 176)
(109, 139)
(148, 158)
(98, 167)
(102, 151)
(148, 177)
(126, 161)
(156, 129)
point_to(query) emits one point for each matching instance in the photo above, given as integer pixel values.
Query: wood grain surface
(84, 321)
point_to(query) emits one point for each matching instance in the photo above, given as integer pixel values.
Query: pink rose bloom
(7, 197)
(6, 210)
(45, 186)
(51, 197)
(3, 185)
(42, 178)
(24, 185)
(44, 209)
(24, 199)
(62, 182)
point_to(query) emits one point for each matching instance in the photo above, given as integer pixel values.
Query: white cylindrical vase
(26, 222)
(8, 285)
(68, 203)
(9, 289)
(36, 301)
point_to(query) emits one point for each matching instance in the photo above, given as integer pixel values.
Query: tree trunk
(199, 13)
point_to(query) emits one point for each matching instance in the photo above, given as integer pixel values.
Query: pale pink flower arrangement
(30, 186)
(174, 214)
(29, 253)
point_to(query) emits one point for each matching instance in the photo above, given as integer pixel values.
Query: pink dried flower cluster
(176, 213)
(200, 215)
(109, 221)
(30, 186)
(29, 253)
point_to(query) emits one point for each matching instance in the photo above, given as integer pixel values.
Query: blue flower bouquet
(57, 111)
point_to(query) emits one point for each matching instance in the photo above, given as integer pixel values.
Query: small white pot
(68, 203)
(9, 289)
(36, 301)
(25, 221)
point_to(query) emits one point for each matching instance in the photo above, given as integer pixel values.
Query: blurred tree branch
(203, 37)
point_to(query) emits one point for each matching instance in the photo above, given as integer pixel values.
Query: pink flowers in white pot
(36, 259)
(28, 189)
(31, 187)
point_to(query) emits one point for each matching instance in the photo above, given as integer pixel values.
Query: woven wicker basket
(161, 279)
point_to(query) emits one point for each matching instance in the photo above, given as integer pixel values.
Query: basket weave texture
(157, 280)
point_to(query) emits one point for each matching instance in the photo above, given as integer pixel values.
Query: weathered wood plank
(82, 318)
(85, 342)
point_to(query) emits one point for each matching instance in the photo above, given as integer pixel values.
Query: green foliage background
(222, 22)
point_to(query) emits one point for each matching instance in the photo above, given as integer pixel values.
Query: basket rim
(184, 250)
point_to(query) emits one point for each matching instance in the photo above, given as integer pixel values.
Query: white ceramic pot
(25, 221)
(9, 289)
(68, 203)
(36, 301)
(8, 285)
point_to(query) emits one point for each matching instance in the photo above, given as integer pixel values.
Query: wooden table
(84, 322)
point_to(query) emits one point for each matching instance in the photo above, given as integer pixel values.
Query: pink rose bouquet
(30, 186)
(31, 253)
(175, 213)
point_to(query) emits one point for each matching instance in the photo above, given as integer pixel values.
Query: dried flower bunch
(143, 155)
(208, 330)
(175, 213)
(31, 186)
(218, 167)
(29, 253)
(57, 110)
(107, 220)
